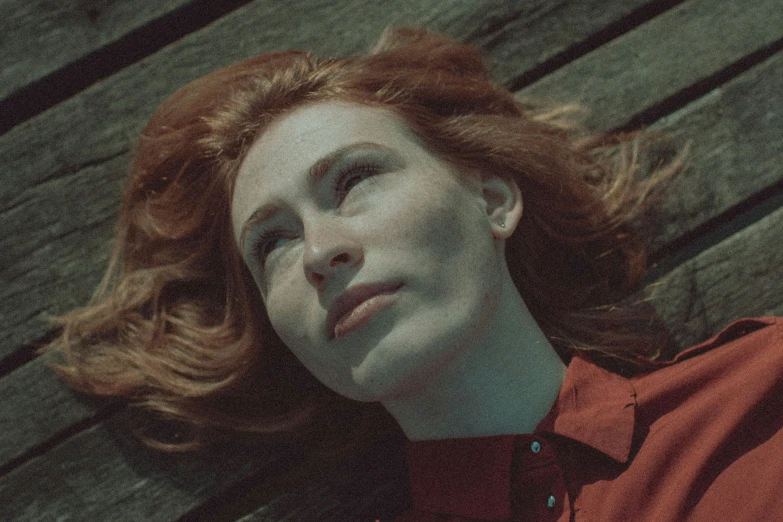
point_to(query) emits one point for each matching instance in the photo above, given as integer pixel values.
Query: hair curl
(177, 325)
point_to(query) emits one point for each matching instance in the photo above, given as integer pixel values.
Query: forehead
(294, 142)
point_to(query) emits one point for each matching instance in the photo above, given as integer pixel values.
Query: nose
(330, 247)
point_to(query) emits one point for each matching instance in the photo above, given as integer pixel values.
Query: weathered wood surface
(738, 277)
(736, 137)
(104, 474)
(678, 50)
(53, 260)
(42, 36)
(104, 462)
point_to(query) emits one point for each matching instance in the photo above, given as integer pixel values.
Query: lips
(344, 309)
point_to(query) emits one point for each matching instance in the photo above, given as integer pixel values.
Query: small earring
(503, 225)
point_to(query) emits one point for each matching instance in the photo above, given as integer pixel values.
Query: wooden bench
(708, 71)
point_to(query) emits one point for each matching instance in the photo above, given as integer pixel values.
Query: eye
(351, 176)
(266, 244)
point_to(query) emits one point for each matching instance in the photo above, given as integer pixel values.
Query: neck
(503, 383)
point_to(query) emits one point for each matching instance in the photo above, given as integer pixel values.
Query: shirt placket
(538, 489)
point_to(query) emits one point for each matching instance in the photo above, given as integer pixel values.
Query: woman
(299, 238)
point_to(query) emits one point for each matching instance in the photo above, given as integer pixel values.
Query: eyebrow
(314, 174)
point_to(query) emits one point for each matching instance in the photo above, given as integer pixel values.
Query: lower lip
(362, 314)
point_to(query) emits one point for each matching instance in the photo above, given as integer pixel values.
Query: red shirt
(699, 439)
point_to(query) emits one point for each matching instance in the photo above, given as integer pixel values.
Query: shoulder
(709, 426)
(744, 335)
(725, 392)
(747, 353)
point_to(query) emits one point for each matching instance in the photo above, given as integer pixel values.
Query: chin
(398, 355)
(378, 382)
(398, 366)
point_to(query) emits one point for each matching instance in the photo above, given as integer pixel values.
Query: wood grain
(660, 58)
(104, 474)
(735, 135)
(742, 276)
(42, 36)
(35, 406)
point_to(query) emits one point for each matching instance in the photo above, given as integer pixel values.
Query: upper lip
(352, 298)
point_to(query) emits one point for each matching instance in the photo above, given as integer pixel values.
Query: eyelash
(351, 172)
(260, 247)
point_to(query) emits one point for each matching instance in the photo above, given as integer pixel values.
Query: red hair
(177, 324)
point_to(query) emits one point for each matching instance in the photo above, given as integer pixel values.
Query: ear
(503, 204)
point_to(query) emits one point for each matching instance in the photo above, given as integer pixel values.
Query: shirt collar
(595, 407)
(472, 477)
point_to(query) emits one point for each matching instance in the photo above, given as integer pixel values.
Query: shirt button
(550, 502)
(535, 447)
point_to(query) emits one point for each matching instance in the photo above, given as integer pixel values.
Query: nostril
(317, 278)
(342, 258)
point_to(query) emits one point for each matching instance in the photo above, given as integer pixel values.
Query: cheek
(286, 316)
(285, 306)
(442, 223)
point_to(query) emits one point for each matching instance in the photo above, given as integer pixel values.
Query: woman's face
(376, 262)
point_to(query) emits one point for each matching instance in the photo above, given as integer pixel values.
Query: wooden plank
(104, 471)
(42, 36)
(104, 474)
(366, 483)
(735, 134)
(680, 48)
(739, 277)
(111, 114)
(54, 250)
(50, 164)
(34, 406)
